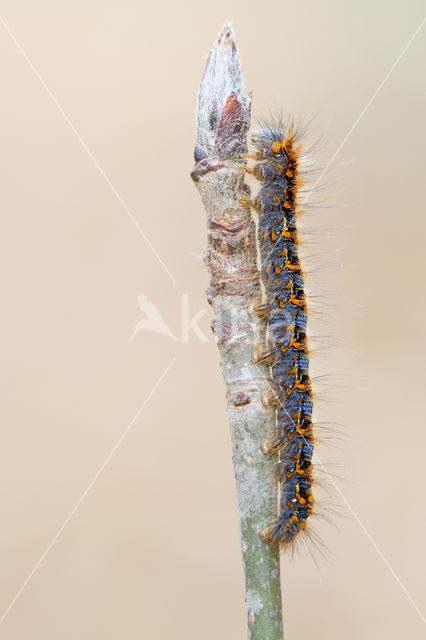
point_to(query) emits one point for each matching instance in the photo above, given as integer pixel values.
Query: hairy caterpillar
(277, 158)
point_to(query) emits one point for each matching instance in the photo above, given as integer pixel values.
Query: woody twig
(223, 120)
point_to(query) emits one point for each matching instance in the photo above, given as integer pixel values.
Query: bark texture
(223, 119)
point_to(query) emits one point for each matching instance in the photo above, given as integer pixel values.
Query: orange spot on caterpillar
(275, 147)
(292, 267)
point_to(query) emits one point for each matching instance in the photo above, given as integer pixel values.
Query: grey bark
(223, 119)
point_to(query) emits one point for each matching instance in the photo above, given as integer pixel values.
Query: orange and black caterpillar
(277, 167)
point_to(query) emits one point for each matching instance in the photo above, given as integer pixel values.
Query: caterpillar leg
(270, 399)
(261, 310)
(261, 355)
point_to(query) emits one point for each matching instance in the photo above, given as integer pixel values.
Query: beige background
(153, 551)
